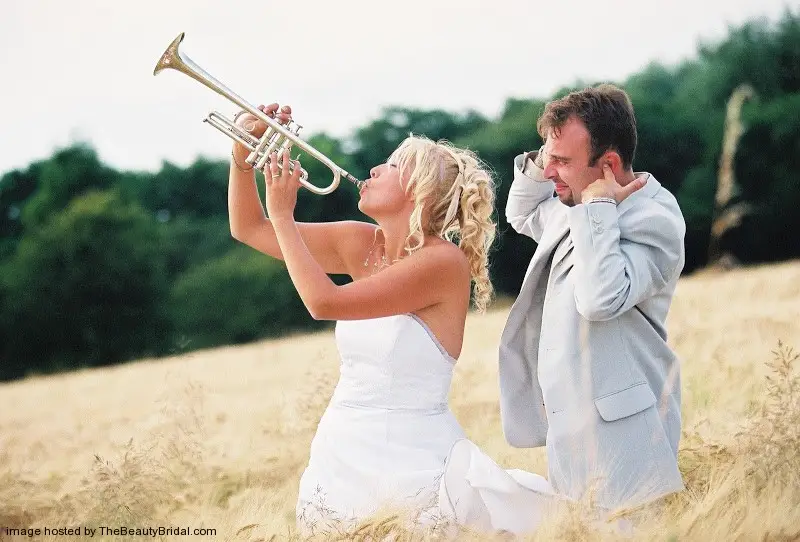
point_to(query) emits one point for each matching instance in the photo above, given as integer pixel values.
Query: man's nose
(549, 171)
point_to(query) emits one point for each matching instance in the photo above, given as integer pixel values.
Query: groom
(585, 369)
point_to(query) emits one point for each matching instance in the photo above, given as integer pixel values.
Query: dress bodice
(394, 362)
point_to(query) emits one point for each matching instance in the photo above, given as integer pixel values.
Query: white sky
(82, 69)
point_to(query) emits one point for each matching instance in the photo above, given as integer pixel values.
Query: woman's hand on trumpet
(256, 126)
(282, 186)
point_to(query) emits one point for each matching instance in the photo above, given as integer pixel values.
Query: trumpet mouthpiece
(354, 180)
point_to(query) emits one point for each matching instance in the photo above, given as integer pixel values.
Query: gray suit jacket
(584, 364)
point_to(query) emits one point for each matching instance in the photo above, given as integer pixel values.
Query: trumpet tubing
(277, 138)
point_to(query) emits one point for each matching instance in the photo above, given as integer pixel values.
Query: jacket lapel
(550, 242)
(562, 250)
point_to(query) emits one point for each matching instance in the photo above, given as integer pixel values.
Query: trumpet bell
(170, 55)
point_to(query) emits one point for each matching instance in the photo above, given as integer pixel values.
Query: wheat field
(217, 439)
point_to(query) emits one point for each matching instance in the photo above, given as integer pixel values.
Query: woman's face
(384, 193)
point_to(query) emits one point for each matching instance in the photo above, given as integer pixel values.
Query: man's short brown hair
(607, 113)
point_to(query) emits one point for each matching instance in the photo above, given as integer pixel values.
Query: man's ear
(613, 160)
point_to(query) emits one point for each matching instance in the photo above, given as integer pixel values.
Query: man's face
(566, 161)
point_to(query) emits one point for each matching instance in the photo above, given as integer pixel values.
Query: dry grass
(219, 438)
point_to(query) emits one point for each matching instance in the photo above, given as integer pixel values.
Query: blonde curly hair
(454, 195)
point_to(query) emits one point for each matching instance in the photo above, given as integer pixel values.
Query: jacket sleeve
(614, 271)
(530, 199)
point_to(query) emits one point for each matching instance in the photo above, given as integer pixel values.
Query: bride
(388, 437)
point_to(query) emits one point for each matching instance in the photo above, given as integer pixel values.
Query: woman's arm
(425, 278)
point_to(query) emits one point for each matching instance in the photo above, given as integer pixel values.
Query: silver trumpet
(277, 138)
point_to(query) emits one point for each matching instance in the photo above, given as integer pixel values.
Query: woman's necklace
(380, 262)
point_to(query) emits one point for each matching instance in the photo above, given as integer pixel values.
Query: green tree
(670, 141)
(15, 189)
(199, 190)
(190, 242)
(84, 289)
(374, 143)
(497, 144)
(239, 297)
(342, 202)
(68, 174)
(768, 173)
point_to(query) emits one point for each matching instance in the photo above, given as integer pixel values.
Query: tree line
(99, 266)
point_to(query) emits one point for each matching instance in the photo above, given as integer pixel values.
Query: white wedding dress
(389, 439)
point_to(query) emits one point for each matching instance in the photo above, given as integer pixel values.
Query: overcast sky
(81, 70)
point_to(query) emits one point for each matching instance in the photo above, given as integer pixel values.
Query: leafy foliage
(84, 289)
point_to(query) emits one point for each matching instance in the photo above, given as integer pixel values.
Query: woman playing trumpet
(388, 436)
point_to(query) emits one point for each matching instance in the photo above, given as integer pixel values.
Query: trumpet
(277, 138)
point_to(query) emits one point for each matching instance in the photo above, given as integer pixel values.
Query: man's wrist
(534, 158)
(538, 160)
(532, 165)
(598, 199)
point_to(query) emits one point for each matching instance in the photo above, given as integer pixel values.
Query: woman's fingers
(273, 172)
(270, 109)
(285, 160)
(274, 111)
(285, 114)
(296, 172)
